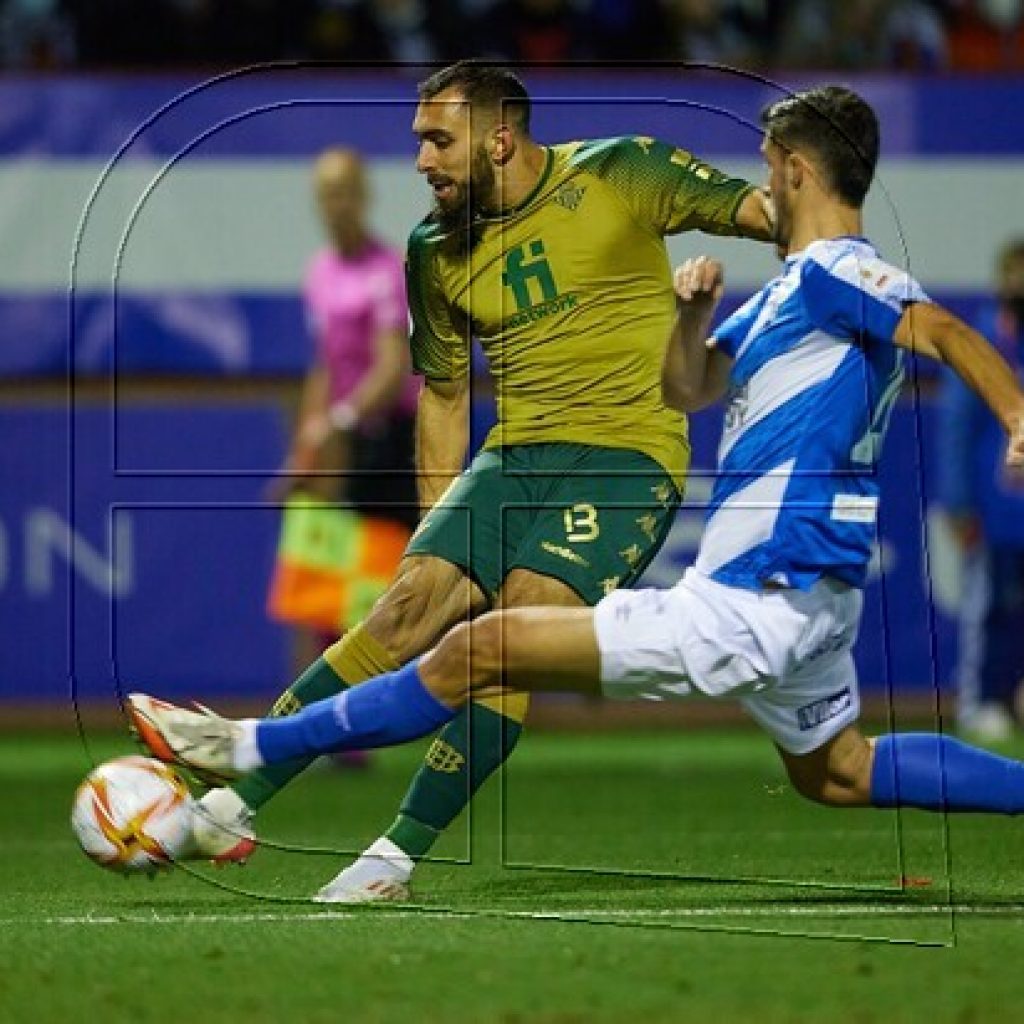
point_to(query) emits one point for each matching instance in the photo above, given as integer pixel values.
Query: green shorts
(588, 516)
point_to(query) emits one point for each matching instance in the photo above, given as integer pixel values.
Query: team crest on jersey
(570, 196)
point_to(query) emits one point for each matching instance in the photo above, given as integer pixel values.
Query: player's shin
(356, 657)
(940, 773)
(385, 711)
(466, 753)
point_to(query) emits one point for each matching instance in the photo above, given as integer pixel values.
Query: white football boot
(221, 829)
(380, 875)
(200, 740)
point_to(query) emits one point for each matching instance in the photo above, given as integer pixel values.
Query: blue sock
(393, 708)
(936, 772)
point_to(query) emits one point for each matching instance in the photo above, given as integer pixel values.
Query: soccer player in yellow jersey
(554, 258)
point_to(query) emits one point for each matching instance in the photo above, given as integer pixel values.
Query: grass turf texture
(667, 875)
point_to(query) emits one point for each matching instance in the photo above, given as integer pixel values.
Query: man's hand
(699, 284)
(694, 374)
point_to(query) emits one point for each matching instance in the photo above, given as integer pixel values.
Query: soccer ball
(132, 814)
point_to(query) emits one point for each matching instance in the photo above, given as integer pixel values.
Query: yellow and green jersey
(570, 295)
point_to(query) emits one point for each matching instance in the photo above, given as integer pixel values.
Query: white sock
(246, 755)
(393, 855)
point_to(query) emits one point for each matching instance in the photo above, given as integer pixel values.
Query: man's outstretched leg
(547, 648)
(929, 771)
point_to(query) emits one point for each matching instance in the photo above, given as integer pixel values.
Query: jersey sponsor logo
(855, 508)
(521, 271)
(814, 714)
(527, 274)
(443, 757)
(567, 553)
(560, 305)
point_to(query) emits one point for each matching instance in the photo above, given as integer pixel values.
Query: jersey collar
(549, 161)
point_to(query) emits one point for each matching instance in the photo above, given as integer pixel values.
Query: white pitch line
(680, 913)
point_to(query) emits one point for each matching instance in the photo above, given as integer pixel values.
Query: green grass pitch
(660, 876)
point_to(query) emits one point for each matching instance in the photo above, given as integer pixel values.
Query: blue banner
(189, 333)
(120, 577)
(285, 111)
(136, 549)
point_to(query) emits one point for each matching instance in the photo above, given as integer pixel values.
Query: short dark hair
(838, 127)
(482, 85)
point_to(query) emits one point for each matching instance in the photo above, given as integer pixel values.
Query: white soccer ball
(132, 814)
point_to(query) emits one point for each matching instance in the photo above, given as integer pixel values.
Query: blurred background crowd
(918, 35)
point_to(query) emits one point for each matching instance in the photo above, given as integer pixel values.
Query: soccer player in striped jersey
(810, 368)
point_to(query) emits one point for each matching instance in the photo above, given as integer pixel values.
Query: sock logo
(285, 705)
(443, 757)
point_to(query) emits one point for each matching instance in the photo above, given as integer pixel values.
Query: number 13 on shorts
(581, 524)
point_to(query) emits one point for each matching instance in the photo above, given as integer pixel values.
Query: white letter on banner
(46, 534)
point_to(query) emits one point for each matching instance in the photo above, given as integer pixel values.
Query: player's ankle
(412, 836)
(399, 863)
(246, 755)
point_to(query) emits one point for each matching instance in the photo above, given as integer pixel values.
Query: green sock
(452, 771)
(317, 682)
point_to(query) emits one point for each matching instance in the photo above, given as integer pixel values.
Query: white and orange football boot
(204, 742)
(200, 740)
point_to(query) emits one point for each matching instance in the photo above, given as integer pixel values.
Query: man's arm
(442, 437)
(695, 374)
(311, 424)
(928, 329)
(380, 385)
(755, 216)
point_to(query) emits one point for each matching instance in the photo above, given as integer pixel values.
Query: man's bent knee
(837, 774)
(467, 658)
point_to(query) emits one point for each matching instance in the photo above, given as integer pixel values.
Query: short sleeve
(858, 296)
(390, 312)
(669, 189)
(439, 338)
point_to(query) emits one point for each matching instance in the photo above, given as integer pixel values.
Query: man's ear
(795, 170)
(502, 144)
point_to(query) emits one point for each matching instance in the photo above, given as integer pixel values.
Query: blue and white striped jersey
(812, 385)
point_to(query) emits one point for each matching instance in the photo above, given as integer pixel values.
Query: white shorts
(784, 654)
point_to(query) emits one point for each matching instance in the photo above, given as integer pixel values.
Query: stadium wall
(134, 544)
